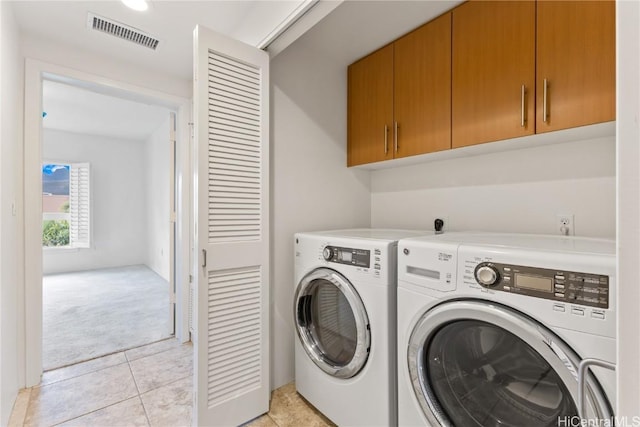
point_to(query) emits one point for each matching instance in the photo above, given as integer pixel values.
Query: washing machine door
(474, 363)
(332, 323)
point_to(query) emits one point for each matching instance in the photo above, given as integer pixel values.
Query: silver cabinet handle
(582, 381)
(523, 118)
(204, 258)
(386, 137)
(544, 100)
(395, 136)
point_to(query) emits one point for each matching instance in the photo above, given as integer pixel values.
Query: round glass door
(332, 323)
(478, 364)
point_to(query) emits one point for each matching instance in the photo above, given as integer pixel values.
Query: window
(66, 205)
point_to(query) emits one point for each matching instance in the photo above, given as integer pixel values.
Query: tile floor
(288, 409)
(146, 386)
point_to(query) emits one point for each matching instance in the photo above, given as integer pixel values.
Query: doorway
(107, 200)
(103, 257)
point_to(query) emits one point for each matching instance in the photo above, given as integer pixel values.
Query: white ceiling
(352, 30)
(73, 109)
(77, 110)
(357, 28)
(172, 22)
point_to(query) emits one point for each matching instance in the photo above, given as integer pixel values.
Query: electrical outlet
(444, 219)
(564, 224)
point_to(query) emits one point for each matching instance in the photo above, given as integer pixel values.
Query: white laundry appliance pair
(492, 329)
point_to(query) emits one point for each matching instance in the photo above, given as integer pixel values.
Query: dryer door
(332, 323)
(475, 363)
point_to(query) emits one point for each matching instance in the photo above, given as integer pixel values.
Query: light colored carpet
(93, 313)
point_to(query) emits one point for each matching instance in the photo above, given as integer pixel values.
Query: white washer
(492, 329)
(345, 318)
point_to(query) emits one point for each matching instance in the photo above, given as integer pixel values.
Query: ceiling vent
(122, 31)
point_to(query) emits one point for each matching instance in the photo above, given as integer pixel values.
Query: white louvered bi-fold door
(231, 302)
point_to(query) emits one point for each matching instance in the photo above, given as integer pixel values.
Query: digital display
(537, 283)
(349, 256)
(346, 256)
(574, 287)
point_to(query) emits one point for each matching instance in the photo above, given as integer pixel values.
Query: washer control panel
(349, 256)
(562, 286)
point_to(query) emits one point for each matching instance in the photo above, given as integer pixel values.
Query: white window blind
(80, 205)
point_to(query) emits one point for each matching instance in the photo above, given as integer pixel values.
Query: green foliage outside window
(55, 233)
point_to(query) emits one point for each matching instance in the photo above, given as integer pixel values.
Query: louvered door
(232, 138)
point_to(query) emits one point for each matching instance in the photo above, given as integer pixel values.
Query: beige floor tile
(163, 368)
(170, 405)
(289, 409)
(20, 408)
(129, 413)
(151, 349)
(78, 369)
(263, 421)
(62, 401)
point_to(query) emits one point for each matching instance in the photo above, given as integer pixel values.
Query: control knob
(486, 275)
(327, 253)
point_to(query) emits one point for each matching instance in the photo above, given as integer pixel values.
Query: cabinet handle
(523, 118)
(386, 139)
(395, 136)
(544, 100)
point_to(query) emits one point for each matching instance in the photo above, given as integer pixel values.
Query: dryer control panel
(349, 256)
(562, 286)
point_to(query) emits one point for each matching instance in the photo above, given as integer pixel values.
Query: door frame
(30, 355)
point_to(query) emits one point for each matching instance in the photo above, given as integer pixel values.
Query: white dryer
(500, 329)
(345, 321)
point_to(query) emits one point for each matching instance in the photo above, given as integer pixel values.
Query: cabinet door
(422, 89)
(370, 108)
(493, 62)
(576, 56)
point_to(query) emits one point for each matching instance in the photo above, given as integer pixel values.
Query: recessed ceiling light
(139, 5)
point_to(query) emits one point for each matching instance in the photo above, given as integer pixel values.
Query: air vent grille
(122, 31)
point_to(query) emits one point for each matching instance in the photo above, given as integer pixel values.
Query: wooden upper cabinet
(493, 61)
(422, 89)
(486, 71)
(370, 108)
(576, 56)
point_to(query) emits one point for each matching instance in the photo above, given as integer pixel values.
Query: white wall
(118, 201)
(95, 63)
(157, 199)
(628, 107)
(11, 219)
(311, 187)
(512, 191)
